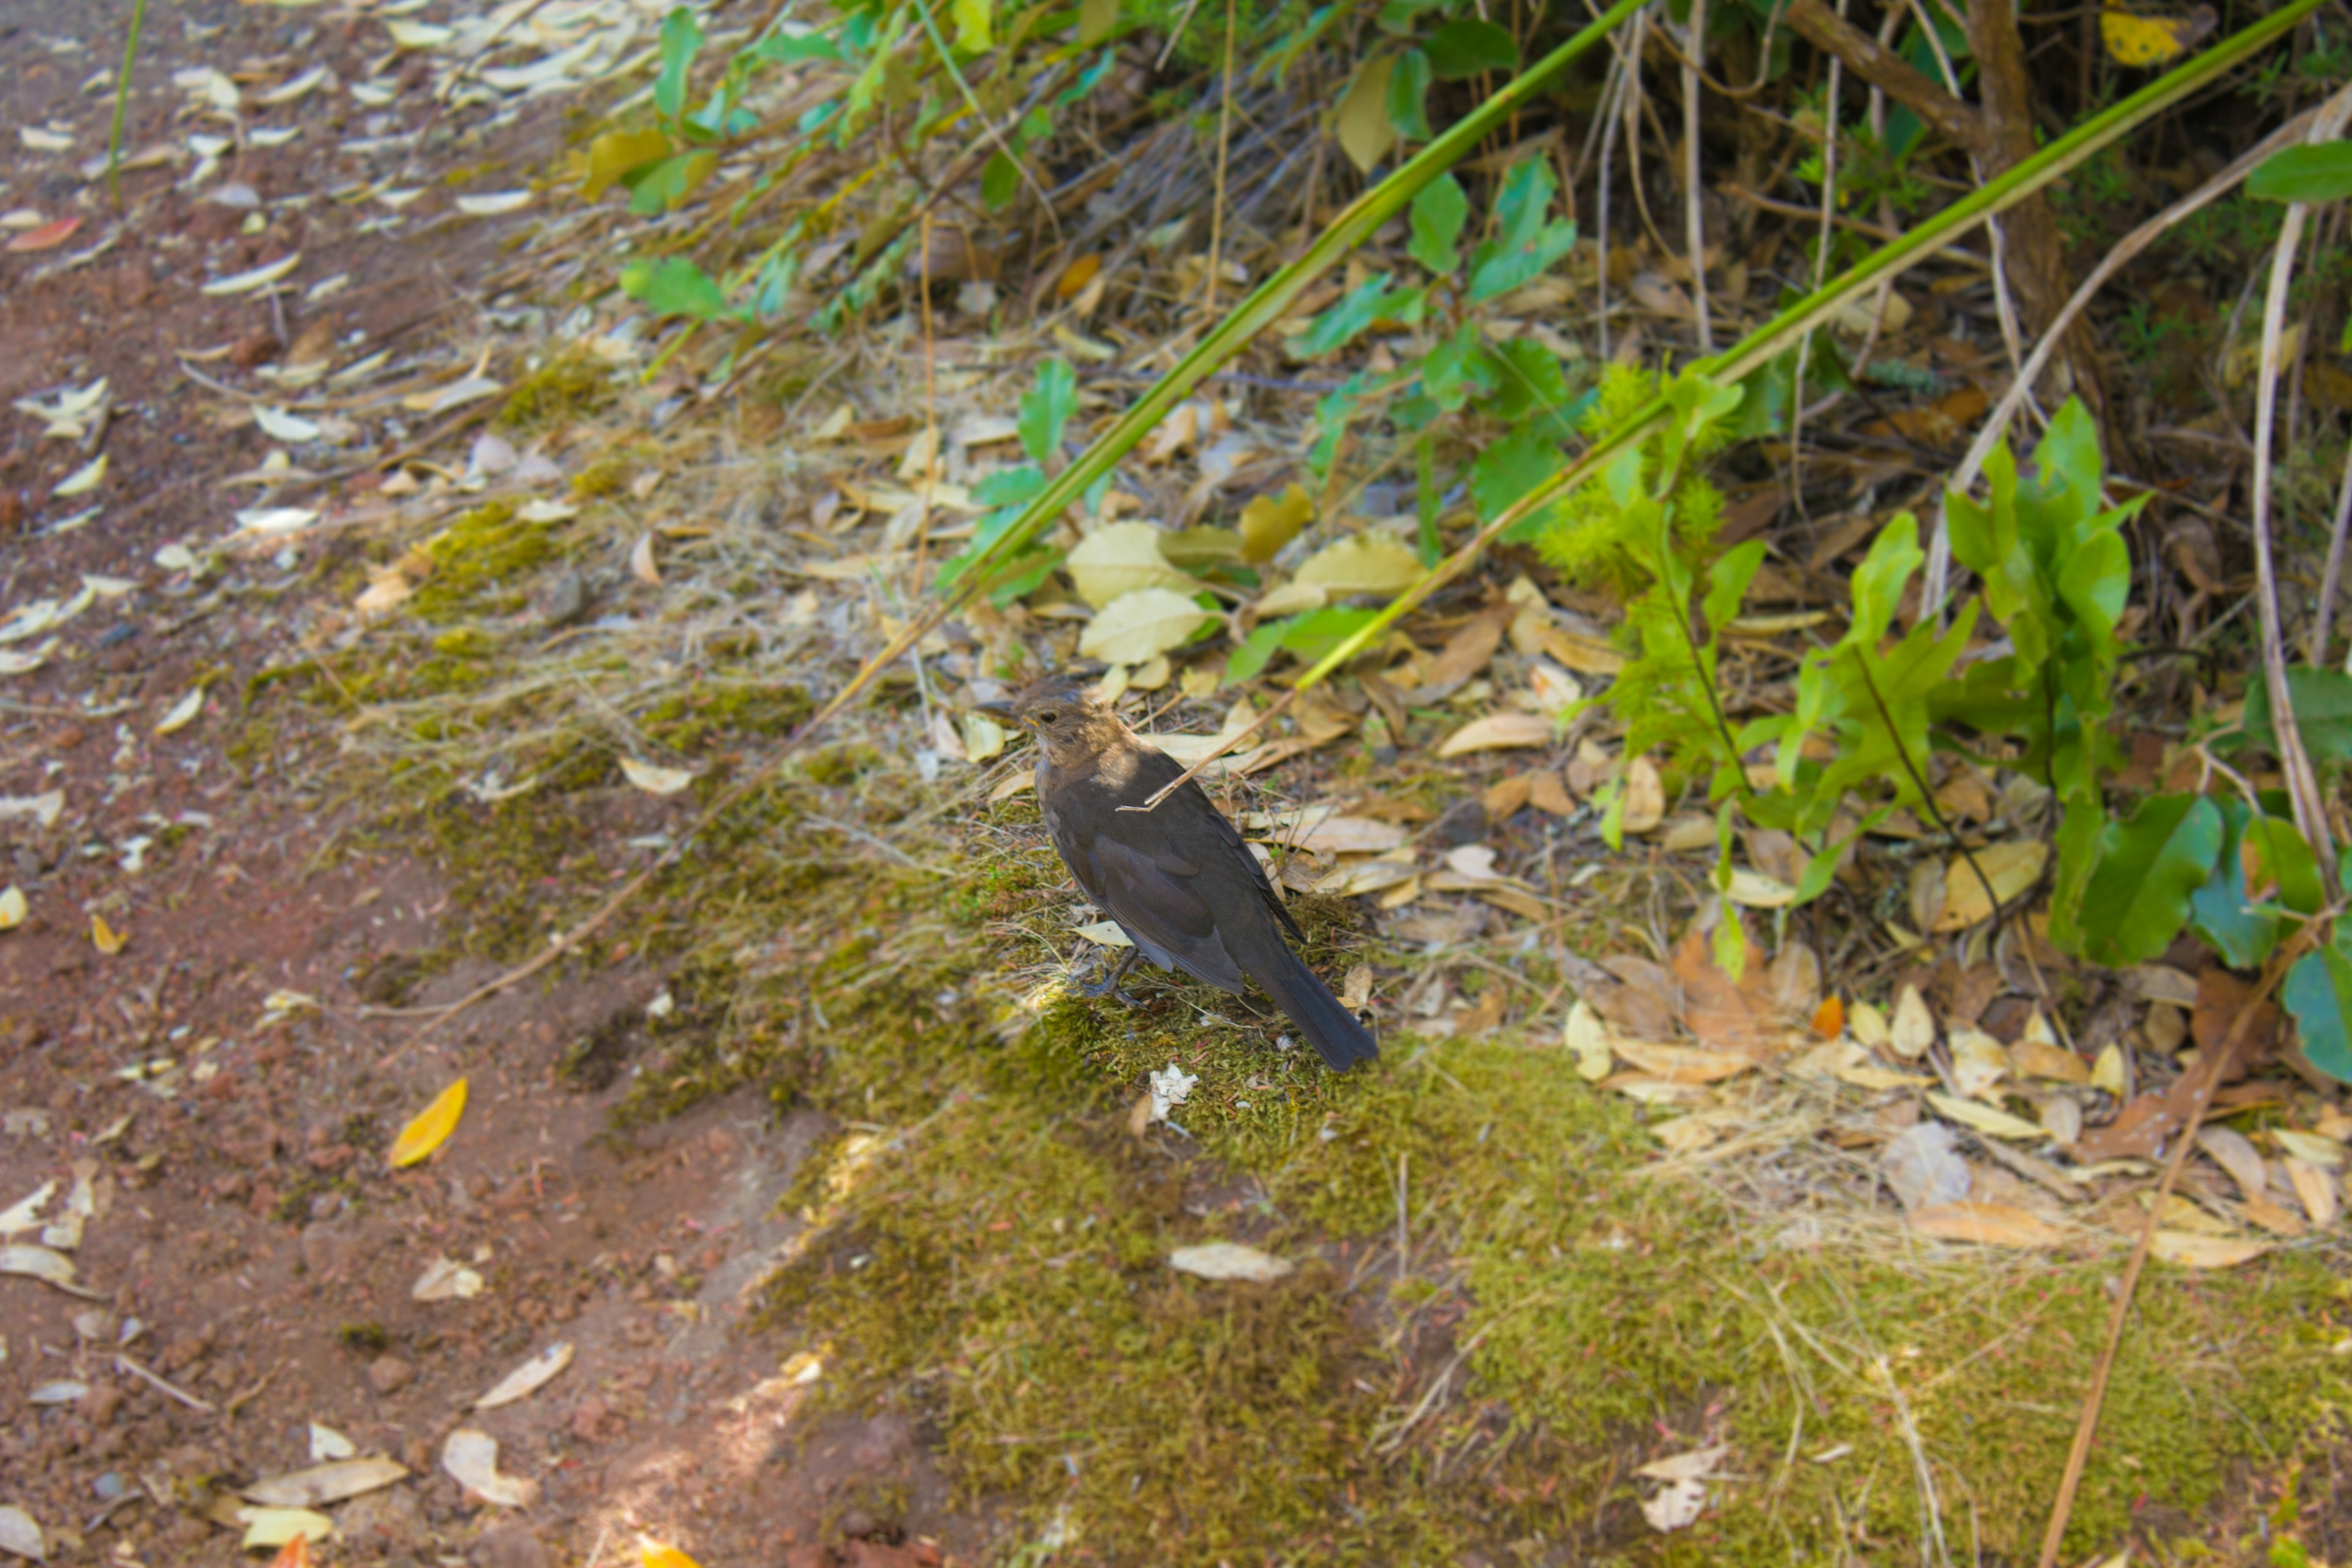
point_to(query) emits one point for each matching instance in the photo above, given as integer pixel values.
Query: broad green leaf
(1458, 367)
(1878, 581)
(1340, 325)
(1046, 409)
(2222, 915)
(1317, 632)
(1527, 242)
(675, 287)
(1437, 215)
(1468, 46)
(2308, 174)
(2323, 713)
(2318, 991)
(681, 36)
(1097, 19)
(780, 47)
(1727, 581)
(2138, 898)
(2286, 862)
(1512, 467)
(1257, 649)
(1009, 487)
(662, 186)
(1409, 96)
(1527, 379)
(999, 182)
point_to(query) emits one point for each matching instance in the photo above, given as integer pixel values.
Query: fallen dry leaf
(1376, 564)
(2012, 868)
(2190, 1250)
(322, 1483)
(1646, 796)
(1980, 1063)
(1991, 1225)
(1683, 1064)
(472, 1458)
(1923, 1167)
(429, 1128)
(654, 779)
(279, 1527)
(1499, 731)
(445, 1280)
(1229, 1260)
(1141, 626)
(1119, 559)
(1913, 1029)
(2314, 1191)
(104, 937)
(20, 1534)
(2233, 1153)
(1729, 1014)
(652, 1554)
(1588, 1037)
(528, 1378)
(1986, 1119)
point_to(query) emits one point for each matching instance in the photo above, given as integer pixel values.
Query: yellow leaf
(2144, 42)
(972, 20)
(12, 908)
(1116, 561)
(1375, 563)
(2310, 1147)
(1141, 625)
(1269, 522)
(662, 1554)
(2190, 1250)
(2011, 869)
(104, 937)
(430, 1128)
(616, 153)
(1365, 134)
(1985, 1118)
(1588, 1037)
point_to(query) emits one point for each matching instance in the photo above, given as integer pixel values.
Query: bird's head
(1064, 715)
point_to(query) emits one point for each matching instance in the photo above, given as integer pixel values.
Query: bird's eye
(1046, 716)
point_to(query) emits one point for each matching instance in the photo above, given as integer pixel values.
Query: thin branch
(1926, 796)
(2207, 1077)
(1889, 72)
(2302, 780)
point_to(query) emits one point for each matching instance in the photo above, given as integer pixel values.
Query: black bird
(1177, 879)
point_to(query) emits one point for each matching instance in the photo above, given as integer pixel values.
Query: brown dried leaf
(1990, 1224)
(1645, 796)
(1730, 1014)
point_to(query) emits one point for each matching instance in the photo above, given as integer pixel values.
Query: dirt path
(247, 1266)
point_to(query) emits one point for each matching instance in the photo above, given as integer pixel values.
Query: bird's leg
(1109, 985)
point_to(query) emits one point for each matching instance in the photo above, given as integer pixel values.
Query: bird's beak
(1001, 709)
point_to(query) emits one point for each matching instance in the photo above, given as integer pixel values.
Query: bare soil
(250, 1263)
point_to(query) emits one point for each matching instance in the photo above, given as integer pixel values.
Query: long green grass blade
(122, 102)
(1759, 348)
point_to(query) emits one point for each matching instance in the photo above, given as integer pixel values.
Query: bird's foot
(1109, 984)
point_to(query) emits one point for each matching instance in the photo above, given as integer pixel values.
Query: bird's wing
(1153, 896)
(1189, 812)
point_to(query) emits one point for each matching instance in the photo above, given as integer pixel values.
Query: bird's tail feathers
(1337, 1035)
